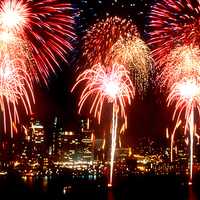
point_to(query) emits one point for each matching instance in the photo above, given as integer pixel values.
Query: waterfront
(13, 186)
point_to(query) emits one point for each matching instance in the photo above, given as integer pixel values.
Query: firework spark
(111, 84)
(186, 94)
(43, 30)
(133, 53)
(103, 35)
(13, 15)
(182, 62)
(174, 23)
(15, 89)
(103, 85)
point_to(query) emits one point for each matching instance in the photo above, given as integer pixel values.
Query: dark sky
(147, 116)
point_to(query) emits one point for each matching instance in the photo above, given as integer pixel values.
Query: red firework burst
(174, 23)
(103, 35)
(182, 62)
(42, 29)
(113, 85)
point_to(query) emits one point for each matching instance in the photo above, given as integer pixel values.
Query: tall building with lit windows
(87, 137)
(99, 149)
(74, 145)
(37, 139)
(34, 151)
(68, 145)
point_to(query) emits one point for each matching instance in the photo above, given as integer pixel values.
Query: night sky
(147, 116)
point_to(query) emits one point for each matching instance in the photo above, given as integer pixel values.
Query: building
(87, 137)
(72, 146)
(122, 154)
(99, 149)
(37, 139)
(68, 145)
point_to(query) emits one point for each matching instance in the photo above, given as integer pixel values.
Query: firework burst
(107, 84)
(13, 15)
(133, 53)
(42, 29)
(182, 62)
(186, 95)
(174, 23)
(15, 89)
(103, 35)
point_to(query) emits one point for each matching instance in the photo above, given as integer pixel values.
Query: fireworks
(174, 23)
(187, 97)
(117, 40)
(182, 62)
(107, 84)
(114, 48)
(14, 15)
(43, 31)
(133, 53)
(34, 36)
(175, 40)
(103, 35)
(181, 76)
(186, 94)
(15, 87)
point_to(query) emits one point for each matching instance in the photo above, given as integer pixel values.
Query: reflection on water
(68, 188)
(192, 195)
(110, 195)
(31, 182)
(45, 183)
(28, 180)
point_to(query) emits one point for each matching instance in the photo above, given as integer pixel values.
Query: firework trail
(43, 31)
(103, 35)
(180, 76)
(107, 85)
(173, 23)
(172, 139)
(15, 88)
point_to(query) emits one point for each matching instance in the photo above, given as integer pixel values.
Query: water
(63, 187)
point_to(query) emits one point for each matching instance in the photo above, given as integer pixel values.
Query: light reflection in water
(45, 183)
(191, 194)
(31, 181)
(28, 180)
(110, 195)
